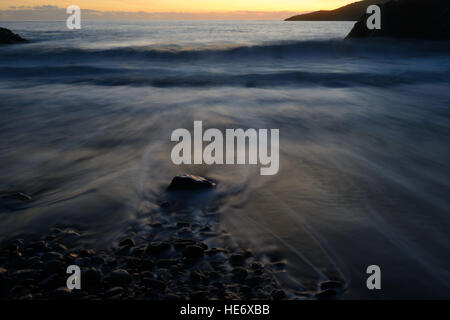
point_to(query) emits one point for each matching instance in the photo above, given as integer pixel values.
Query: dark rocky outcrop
(8, 37)
(190, 182)
(351, 12)
(409, 19)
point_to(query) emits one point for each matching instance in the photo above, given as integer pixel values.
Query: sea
(364, 179)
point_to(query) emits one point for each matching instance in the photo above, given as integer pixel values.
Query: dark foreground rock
(418, 19)
(190, 182)
(350, 12)
(171, 268)
(8, 37)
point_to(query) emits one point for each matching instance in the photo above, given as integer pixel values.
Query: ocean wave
(282, 50)
(163, 78)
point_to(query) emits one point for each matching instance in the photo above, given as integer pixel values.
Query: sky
(163, 9)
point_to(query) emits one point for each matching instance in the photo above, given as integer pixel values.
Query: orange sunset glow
(198, 6)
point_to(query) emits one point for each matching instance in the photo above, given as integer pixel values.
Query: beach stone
(127, 242)
(27, 297)
(193, 251)
(59, 248)
(154, 284)
(190, 182)
(257, 266)
(39, 246)
(278, 294)
(165, 263)
(91, 278)
(253, 281)
(97, 260)
(325, 294)
(61, 293)
(8, 37)
(133, 262)
(198, 295)
(52, 255)
(49, 282)
(86, 253)
(239, 273)
(120, 277)
(115, 291)
(156, 247)
(54, 266)
(237, 259)
(172, 296)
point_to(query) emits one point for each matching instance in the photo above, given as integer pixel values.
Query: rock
(190, 182)
(154, 284)
(156, 247)
(408, 19)
(39, 246)
(8, 37)
(330, 284)
(350, 12)
(27, 297)
(49, 282)
(193, 251)
(54, 266)
(115, 291)
(119, 277)
(171, 296)
(239, 273)
(60, 248)
(86, 253)
(91, 278)
(166, 263)
(253, 281)
(278, 294)
(61, 293)
(257, 266)
(325, 294)
(133, 262)
(126, 243)
(237, 260)
(198, 295)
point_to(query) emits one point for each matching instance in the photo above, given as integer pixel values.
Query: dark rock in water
(156, 247)
(193, 251)
(199, 295)
(278, 294)
(91, 278)
(115, 291)
(325, 294)
(237, 259)
(190, 182)
(239, 273)
(330, 284)
(119, 277)
(8, 37)
(87, 253)
(61, 293)
(408, 19)
(154, 284)
(126, 243)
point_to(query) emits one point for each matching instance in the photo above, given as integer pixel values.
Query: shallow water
(364, 134)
